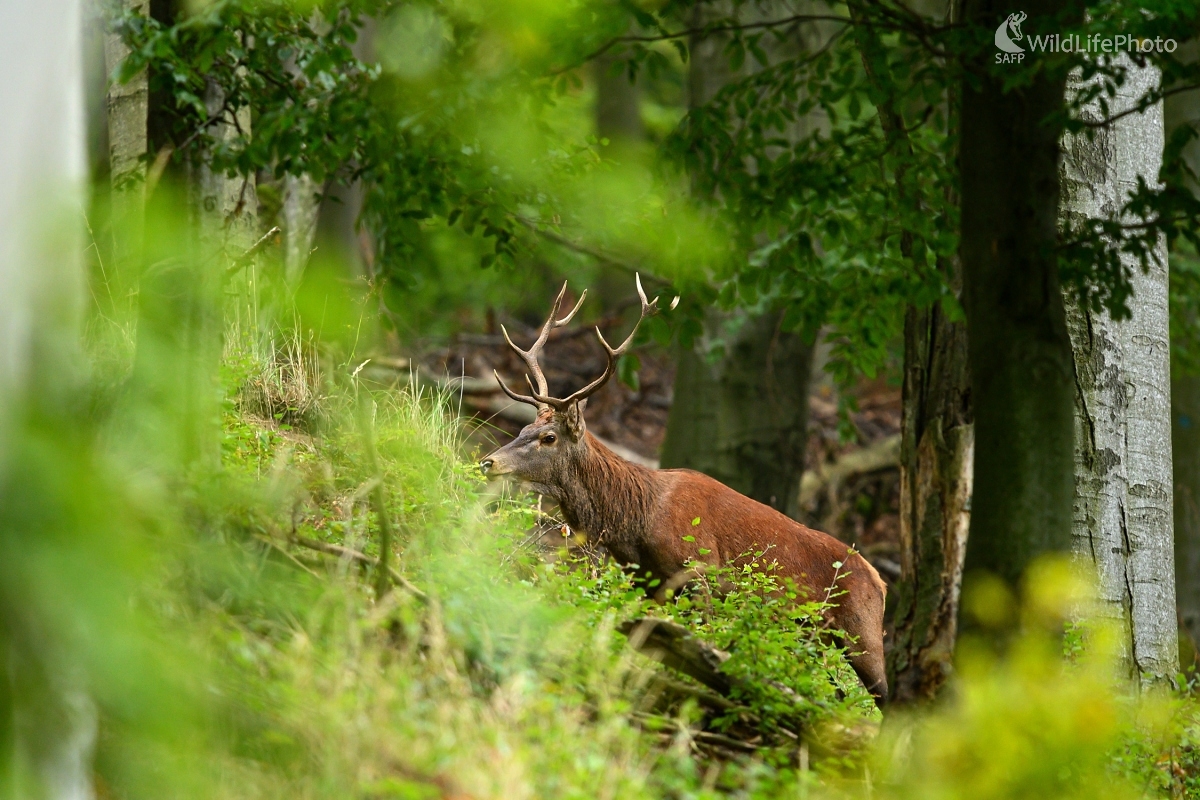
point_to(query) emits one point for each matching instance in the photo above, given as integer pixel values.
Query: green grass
(224, 660)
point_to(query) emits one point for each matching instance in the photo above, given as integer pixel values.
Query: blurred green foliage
(169, 606)
(186, 542)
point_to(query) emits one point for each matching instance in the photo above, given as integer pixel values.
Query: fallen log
(883, 454)
(675, 647)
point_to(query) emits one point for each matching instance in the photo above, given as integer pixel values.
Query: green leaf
(695, 522)
(689, 538)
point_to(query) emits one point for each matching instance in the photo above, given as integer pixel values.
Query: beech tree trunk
(1183, 109)
(128, 108)
(301, 203)
(226, 207)
(47, 721)
(742, 416)
(1022, 381)
(618, 108)
(937, 442)
(740, 412)
(1123, 485)
(182, 305)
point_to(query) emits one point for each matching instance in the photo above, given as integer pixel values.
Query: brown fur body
(641, 516)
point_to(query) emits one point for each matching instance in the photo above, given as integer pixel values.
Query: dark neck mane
(607, 497)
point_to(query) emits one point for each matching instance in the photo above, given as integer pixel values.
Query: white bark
(300, 205)
(1123, 494)
(128, 106)
(42, 167)
(42, 171)
(227, 207)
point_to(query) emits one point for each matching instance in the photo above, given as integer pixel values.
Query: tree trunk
(128, 108)
(1123, 498)
(743, 417)
(1185, 444)
(937, 443)
(618, 108)
(1019, 350)
(226, 208)
(1181, 109)
(740, 414)
(47, 722)
(936, 470)
(300, 206)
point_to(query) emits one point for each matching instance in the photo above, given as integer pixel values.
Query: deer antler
(539, 394)
(530, 356)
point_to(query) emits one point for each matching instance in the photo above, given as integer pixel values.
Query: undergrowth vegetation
(219, 618)
(495, 670)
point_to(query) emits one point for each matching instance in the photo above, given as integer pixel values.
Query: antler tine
(520, 398)
(530, 356)
(649, 309)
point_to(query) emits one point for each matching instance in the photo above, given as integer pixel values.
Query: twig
(705, 30)
(246, 257)
(155, 173)
(577, 247)
(267, 540)
(1140, 107)
(362, 558)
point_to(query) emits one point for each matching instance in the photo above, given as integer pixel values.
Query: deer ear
(574, 419)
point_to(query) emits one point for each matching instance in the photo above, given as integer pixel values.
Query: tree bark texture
(226, 207)
(1123, 485)
(936, 470)
(189, 319)
(128, 109)
(1019, 349)
(301, 203)
(741, 415)
(937, 444)
(740, 411)
(1182, 109)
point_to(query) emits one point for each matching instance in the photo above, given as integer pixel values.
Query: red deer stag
(641, 516)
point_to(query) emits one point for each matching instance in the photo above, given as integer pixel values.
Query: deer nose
(485, 466)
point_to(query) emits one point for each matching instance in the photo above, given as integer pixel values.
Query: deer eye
(548, 438)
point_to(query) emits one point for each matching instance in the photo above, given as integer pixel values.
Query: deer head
(545, 449)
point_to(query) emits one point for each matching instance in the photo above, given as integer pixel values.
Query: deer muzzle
(493, 466)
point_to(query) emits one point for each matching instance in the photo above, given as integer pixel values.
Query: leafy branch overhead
(822, 177)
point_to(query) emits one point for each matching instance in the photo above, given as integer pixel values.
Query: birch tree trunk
(128, 107)
(1123, 486)
(47, 722)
